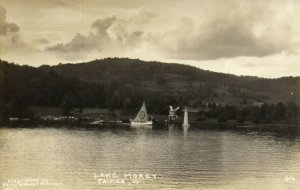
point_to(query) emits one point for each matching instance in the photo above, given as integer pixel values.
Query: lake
(88, 159)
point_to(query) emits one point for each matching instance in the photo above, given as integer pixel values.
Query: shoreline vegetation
(111, 90)
(117, 120)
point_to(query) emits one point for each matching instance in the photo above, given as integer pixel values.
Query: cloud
(80, 46)
(219, 39)
(218, 35)
(77, 48)
(41, 41)
(59, 2)
(223, 33)
(107, 34)
(142, 17)
(14, 48)
(43, 4)
(9, 33)
(252, 29)
(101, 25)
(6, 27)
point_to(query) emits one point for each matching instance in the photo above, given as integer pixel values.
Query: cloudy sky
(242, 37)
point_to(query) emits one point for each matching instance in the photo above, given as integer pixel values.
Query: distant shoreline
(196, 125)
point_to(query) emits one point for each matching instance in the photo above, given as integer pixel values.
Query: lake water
(81, 159)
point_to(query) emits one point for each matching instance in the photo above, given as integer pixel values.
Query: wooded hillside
(121, 83)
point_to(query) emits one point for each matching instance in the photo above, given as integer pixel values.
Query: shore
(160, 125)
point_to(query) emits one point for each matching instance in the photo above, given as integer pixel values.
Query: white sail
(142, 115)
(186, 119)
(141, 119)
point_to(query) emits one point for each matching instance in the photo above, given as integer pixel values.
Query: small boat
(97, 122)
(141, 119)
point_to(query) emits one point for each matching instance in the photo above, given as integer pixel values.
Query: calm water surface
(194, 159)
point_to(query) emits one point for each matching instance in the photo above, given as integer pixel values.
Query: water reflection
(205, 159)
(185, 132)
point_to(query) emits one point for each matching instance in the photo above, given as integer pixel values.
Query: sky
(257, 38)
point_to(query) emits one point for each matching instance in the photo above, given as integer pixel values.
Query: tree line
(288, 112)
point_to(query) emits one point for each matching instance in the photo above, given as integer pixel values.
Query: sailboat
(141, 119)
(186, 124)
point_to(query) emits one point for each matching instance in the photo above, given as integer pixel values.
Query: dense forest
(122, 84)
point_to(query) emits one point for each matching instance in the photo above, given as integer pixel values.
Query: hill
(121, 83)
(183, 82)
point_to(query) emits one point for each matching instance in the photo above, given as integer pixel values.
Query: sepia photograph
(149, 95)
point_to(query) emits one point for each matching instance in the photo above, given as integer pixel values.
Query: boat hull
(147, 124)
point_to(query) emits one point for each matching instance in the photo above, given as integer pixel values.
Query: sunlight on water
(51, 158)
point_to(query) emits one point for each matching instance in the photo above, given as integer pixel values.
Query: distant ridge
(123, 83)
(156, 76)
